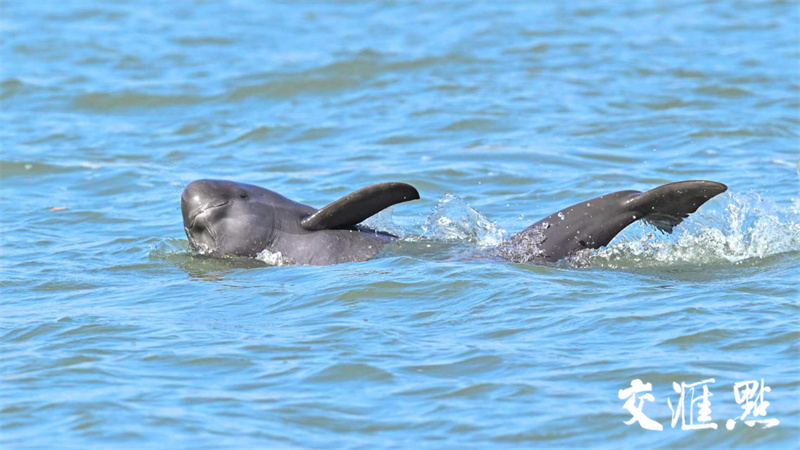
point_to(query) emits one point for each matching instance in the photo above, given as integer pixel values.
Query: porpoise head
(227, 218)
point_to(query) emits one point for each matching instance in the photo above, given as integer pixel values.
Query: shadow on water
(176, 252)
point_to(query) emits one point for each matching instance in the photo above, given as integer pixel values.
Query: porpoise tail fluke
(594, 223)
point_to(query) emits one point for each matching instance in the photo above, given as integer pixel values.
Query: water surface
(114, 334)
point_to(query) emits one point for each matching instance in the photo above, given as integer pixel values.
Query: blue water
(114, 334)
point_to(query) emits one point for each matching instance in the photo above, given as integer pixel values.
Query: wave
(106, 101)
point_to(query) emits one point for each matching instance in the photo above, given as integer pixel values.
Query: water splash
(274, 258)
(733, 228)
(740, 228)
(384, 221)
(454, 220)
(525, 247)
(797, 200)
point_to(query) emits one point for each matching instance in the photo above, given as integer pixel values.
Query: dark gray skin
(228, 218)
(592, 224)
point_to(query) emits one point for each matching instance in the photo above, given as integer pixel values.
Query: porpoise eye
(243, 195)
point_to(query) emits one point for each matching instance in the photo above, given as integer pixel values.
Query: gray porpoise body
(592, 224)
(228, 218)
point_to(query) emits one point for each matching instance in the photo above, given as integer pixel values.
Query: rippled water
(115, 334)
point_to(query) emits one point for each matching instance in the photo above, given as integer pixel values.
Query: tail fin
(594, 223)
(666, 206)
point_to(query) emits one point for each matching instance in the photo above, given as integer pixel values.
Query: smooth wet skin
(592, 224)
(228, 218)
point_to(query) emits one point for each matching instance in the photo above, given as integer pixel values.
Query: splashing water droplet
(736, 229)
(454, 220)
(384, 221)
(274, 258)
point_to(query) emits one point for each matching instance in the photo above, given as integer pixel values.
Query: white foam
(454, 220)
(274, 258)
(732, 229)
